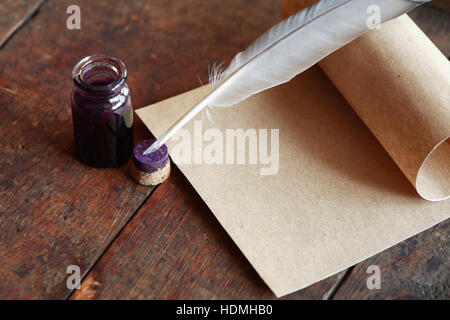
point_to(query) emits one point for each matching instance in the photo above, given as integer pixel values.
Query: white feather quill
(291, 47)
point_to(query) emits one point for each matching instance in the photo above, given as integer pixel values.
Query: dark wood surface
(54, 211)
(415, 269)
(14, 14)
(436, 24)
(174, 248)
(131, 241)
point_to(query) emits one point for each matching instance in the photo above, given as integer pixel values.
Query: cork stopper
(152, 168)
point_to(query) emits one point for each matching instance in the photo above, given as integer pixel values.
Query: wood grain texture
(14, 14)
(179, 233)
(435, 23)
(174, 248)
(202, 268)
(55, 212)
(414, 269)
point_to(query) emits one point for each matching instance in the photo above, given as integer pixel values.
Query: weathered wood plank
(174, 248)
(105, 280)
(173, 213)
(54, 211)
(14, 14)
(435, 23)
(417, 268)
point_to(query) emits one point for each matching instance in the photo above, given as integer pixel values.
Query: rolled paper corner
(152, 168)
(397, 81)
(433, 178)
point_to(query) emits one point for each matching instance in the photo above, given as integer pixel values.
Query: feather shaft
(289, 48)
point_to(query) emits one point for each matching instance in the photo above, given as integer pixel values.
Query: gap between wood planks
(31, 13)
(329, 295)
(113, 239)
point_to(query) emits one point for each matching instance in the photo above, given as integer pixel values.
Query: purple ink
(150, 162)
(101, 111)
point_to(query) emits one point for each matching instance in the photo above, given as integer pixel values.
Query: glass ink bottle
(101, 111)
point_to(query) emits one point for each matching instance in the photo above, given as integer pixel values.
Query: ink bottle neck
(100, 77)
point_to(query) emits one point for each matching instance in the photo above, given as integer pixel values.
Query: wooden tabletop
(130, 241)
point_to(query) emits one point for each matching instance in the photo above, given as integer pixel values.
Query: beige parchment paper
(344, 190)
(398, 83)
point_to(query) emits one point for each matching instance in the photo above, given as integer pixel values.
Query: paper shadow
(330, 131)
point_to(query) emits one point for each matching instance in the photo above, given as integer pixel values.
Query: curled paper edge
(367, 73)
(399, 88)
(433, 177)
